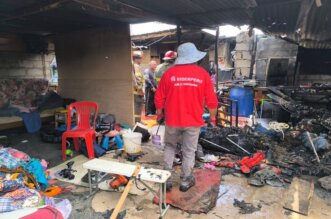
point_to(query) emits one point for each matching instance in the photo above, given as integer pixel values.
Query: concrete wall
(244, 44)
(224, 54)
(17, 62)
(271, 47)
(95, 65)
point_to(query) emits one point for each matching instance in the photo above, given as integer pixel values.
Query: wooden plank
(299, 196)
(125, 193)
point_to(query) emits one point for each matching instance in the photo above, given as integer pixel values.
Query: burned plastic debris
(232, 140)
(246, 208)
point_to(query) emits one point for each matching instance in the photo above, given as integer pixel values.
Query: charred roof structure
(305, 22)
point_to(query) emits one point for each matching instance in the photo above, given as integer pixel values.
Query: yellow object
(52, 191)
(14, 176)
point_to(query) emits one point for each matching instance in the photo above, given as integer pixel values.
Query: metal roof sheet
(300, 21)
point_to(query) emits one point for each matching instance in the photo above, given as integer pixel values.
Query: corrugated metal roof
(300, 21)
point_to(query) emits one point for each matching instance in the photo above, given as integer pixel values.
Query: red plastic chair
(83, 129)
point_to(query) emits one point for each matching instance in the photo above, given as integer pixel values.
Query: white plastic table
(145, 174)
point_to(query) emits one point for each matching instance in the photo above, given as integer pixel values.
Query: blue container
(245, 98)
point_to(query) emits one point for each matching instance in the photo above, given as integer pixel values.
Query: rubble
(325, 182)
(246, 208)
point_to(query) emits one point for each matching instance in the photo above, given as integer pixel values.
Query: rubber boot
(186, 183)
(169, 184)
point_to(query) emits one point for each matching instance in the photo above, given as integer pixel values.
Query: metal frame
(162, 196)
(228, 110)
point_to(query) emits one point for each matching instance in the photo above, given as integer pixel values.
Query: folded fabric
(7, 159)
(20, 198)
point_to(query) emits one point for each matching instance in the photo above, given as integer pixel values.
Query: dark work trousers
(150, 106)
(138, 103)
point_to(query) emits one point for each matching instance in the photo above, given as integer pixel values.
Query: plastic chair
(83, 129)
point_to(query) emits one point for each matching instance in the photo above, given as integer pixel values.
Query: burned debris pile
(272, 153)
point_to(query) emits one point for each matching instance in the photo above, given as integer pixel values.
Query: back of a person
(186, 85)
(182, 92)
(161, 69)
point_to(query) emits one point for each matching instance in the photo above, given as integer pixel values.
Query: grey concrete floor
(140, 206)
(33, 146)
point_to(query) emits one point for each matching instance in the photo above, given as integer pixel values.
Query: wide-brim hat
(187, 53)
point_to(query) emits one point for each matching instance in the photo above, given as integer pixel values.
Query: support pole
(125, 193)
(313, 146)
(179, 34)
(216, 55)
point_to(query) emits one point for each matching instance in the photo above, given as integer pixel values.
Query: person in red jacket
(183, 92)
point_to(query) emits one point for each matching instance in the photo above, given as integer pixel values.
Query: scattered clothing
(8, 160)
(64, 206)
(8, 185)
(209, 166)
(34, 167)
(47, 212)
(20, 198)
(19, 154)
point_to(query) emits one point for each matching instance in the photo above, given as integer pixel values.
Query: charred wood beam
(34, 9)
(102, 5)
(114, 7)
(152, 35)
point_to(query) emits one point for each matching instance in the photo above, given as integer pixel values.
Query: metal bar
(215, 145)
(314, 149)
(224, 104)
(148, 187)
(231, 104)
(96, 180)
(179, 34)
(164, 195)
(160, 198)
(237, 145)
(216, 55)
(237, 108)
(89, 181)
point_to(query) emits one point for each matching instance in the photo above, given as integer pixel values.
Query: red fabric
(248, 162)
(47, 212)
(200, 198)
(182, 93)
